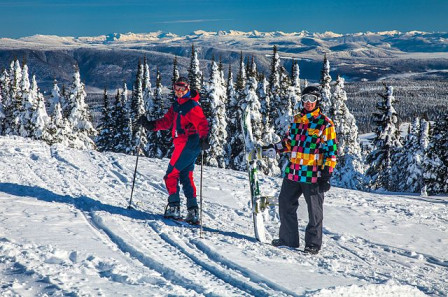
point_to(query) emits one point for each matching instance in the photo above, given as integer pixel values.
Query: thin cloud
(192, 21)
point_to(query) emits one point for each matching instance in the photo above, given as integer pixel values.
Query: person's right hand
(143, 121)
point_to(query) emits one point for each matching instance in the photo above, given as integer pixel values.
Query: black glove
(268, 151)
(143, 121)
(324, 179)
(204, 143)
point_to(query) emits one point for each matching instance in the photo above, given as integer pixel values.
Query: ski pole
(135, 170)
(133, 180)
(200, 194)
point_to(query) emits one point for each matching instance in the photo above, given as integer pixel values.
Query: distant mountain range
(108, 60)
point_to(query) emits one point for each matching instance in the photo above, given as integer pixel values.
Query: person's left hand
(324, 180)
(204, 143)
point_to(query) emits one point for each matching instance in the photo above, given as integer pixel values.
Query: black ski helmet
(182, 80)
(313, 91)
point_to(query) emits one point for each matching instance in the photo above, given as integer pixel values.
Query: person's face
(180, 90)
(309, 106)
(309, 102)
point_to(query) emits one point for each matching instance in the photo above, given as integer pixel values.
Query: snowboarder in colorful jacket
(311, 141)
(189, 129)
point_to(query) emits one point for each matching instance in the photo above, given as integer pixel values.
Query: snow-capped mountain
(65, 230)
(107, 60)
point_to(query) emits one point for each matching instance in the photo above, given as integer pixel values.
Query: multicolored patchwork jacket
(311, 139)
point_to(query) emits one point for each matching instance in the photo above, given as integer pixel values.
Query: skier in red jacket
(190, 134)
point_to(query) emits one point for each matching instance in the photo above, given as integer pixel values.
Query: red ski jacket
(185, 117)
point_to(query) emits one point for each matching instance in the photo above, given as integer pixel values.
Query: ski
(183, 222)
(252, 155)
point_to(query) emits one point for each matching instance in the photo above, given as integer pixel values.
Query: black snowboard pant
(288, 204)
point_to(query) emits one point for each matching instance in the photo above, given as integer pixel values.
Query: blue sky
(20, 18)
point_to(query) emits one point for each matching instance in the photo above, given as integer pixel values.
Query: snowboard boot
(172, 212)
(193, 216)
(314, 250)
(278, 242)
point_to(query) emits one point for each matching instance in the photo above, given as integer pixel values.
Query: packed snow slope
(65, 230)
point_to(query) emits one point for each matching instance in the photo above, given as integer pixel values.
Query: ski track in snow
(157, 256)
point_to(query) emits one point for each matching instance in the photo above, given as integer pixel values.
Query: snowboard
(253, 153)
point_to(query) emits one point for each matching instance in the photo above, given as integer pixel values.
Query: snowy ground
(65, 230)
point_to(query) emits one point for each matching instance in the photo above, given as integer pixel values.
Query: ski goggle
(309, 98)
(180, 87)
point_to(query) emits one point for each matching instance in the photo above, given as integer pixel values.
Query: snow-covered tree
(174, 77)
(194, 72)
(79, 115)
(104, 140)
(14, 111)
(137, 109)
(325, 80)
(59, 128)
(236, 140)
(436, 162)
(424, 144)
(5, 101)
(295, 79)
(386, 142)
(146, 85)
(164, 139)
(216, 94)
(349, 171)
(55, 97)
(29, 104)
(40, 119)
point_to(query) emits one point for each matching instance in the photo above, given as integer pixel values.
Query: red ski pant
(180, 169)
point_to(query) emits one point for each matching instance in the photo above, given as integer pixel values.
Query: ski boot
(172, 212)
(193, 216)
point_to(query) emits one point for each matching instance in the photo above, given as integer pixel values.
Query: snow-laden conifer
(40, 119)
(29, 103)
(236, 139)
(295, 81)
(194, 72)
(164, 139)
(325, 80)
(59, 128)
(79, 115)
(105, 139)
(15, 77)
(55, 98)
(216, 94)
(436, 162)
(174, 77)
(386, 143)
(5, 101)
(138, 109)
(349, 171)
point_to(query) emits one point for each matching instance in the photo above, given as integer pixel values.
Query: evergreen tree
(175, 76)
(194, 72)
(79, 115)
(231, 120)
(295, 79)
(386, 143)
(137, 110)
(59, 128)
(236, 141)
(55, 97)
(407, 162)
(424, 144)
(5, 102)
(436, 162)
(325, 80)
(216, 93)
(105, 138)
(15, 111)
(349, 171)
(29, 103)
(2, 111)
(164, 138)
(124, 144)
(40, 119)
